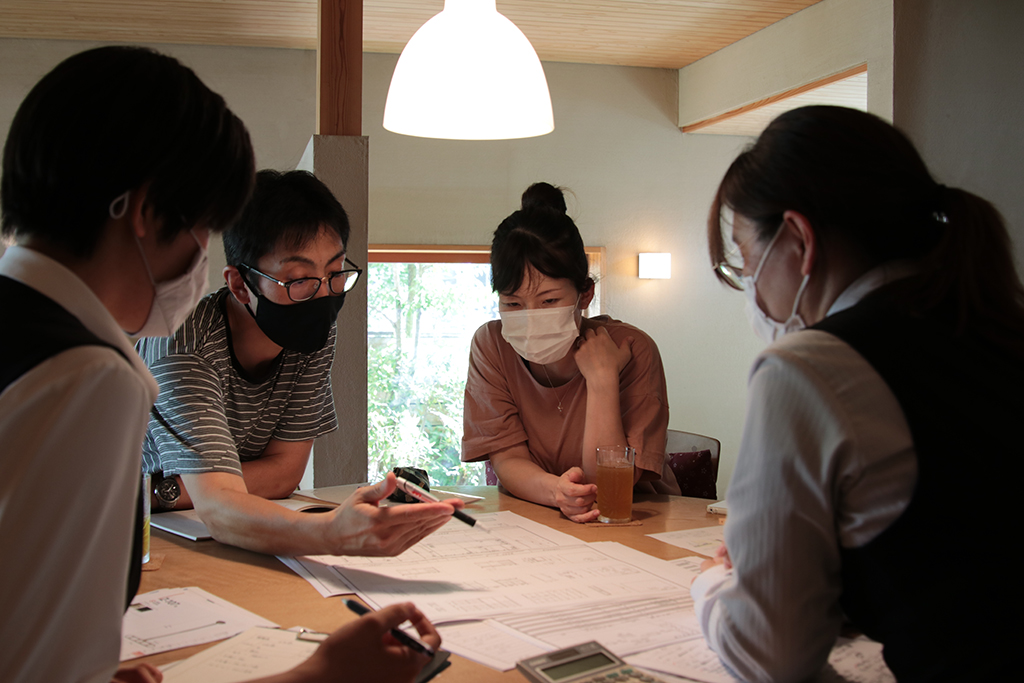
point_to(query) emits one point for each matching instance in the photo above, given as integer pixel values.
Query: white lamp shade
(469, 74)
(655, 266)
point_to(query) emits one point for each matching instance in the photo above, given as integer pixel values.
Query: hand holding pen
(361, 526)
(364, 649)
(399, 635)
(424, 496)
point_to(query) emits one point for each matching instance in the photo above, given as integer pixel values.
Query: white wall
(639, 185)
(821, 40)
(959, 94)
(272, 91)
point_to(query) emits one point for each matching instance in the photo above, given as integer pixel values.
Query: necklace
(552, 385)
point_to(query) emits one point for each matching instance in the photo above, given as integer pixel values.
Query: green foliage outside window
(421, 320)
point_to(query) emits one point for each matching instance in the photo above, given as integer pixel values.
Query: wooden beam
(697, 125)
(339, 68)
(422, 253)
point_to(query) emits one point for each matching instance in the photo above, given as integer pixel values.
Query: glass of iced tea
(615, 483)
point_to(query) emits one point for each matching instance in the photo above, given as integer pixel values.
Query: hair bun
(543, 196)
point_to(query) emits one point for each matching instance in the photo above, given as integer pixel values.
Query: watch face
(168, 490)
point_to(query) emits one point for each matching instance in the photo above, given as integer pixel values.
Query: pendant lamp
(469, 74)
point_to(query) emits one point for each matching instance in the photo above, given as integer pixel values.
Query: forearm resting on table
(277, 473)
(236, 517)
(523, 477)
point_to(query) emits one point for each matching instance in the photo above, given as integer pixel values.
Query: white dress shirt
(826, 461)
(70, 460)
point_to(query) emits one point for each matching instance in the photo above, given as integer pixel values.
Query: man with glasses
(245, 386)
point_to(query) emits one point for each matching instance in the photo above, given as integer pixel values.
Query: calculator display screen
(578, 666)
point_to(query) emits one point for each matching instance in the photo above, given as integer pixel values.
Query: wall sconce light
(655, 266)
(469, 74)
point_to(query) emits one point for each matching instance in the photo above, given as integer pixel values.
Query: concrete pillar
(342, 163)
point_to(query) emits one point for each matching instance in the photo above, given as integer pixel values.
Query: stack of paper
(261, 652)
(705, 540)
(172, 618)
(510, 588)
(527, 588)
(851, 661)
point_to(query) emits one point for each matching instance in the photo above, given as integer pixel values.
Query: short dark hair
(116, 119)
(287, 209)
(541, 235)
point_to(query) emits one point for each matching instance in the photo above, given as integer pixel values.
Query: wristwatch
(166, 491)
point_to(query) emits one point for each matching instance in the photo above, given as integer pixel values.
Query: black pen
(400, 635)
(424, 496)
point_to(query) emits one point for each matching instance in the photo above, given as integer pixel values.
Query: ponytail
(863, 186)
(971, 274)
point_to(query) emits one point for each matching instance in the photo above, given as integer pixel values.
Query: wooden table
(261, 584)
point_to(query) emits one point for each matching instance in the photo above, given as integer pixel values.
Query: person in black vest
(118, 165)
(880, 414)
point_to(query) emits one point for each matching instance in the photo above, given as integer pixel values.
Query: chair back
(490, 476)
(696, 472)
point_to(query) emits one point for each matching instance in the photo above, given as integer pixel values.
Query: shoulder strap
(45, 329)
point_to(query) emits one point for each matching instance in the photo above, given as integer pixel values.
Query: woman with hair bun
(546, 385)
(896, 318)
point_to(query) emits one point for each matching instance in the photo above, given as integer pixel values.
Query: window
(424, 304)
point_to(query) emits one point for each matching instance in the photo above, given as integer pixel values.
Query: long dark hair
(863, 186)
(541, 235)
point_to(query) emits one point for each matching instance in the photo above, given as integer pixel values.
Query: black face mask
(302, 327)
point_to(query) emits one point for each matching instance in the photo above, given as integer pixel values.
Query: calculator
(585, 663)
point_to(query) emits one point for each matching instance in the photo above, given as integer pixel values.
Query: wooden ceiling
(653, 33)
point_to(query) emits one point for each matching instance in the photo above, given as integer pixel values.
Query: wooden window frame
(467, 253)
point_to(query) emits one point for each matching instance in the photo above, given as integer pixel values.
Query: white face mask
(542, 335)
(764, 327)
(174, 299)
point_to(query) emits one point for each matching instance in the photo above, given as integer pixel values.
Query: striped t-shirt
(210, 415)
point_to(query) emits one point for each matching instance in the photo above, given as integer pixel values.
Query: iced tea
(615, 484)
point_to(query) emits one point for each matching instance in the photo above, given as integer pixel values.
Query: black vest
(35, 329)
(962, 399)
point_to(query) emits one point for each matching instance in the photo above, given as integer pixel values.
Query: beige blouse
(505, 405)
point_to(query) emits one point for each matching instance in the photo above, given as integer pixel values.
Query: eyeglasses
(305, 288)
(730, 275)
